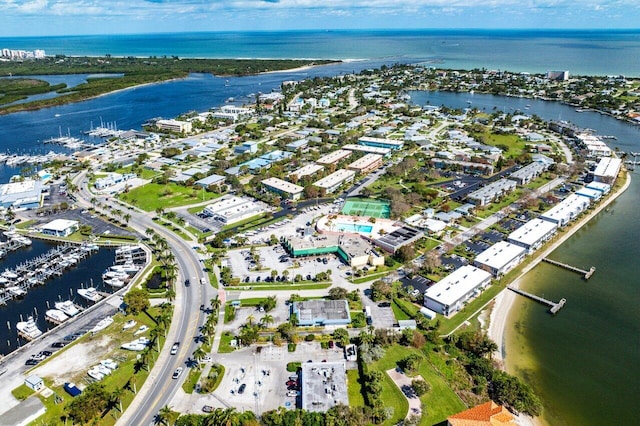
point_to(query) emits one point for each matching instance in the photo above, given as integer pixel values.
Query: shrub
(420, 386)
(310, 337)
(294, 366)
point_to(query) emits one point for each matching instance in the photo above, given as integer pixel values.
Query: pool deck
(329, 225)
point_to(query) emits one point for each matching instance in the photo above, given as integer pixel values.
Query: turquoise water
(353, 227)
(600, 52)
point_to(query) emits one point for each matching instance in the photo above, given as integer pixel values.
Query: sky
(71, 17)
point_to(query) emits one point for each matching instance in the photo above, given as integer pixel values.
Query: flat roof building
(366, 164)
(487, 194)
(334, 180)
(533, 234)
(174, 126)
(449, 295)
(334, 157)
(591, 194)
(296, 145)
(212, 180)
(323, 385)
(308, 170)
(284, 188)
(599, 186)
(232, 209)
(607, 170)
(354, 251)
(566, 210)
(500, 258)
(26, 194)
(403, 236)
(381, 143)
(367, 149)
(466, 166)
(528, 173)
(60, 228)
(321, 312)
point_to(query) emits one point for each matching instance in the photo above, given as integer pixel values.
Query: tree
(137, 300)
(411, 363)
(266, 320)
(420, 386)
(85, 407)
(341, 335)
(338, 293)
(164, 415)
(198, 355)
(381, 291)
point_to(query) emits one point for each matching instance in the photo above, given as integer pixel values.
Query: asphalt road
(160, 388)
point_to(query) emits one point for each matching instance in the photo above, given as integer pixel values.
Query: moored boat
(90, 294)
(56, 316)
(67, 307)
(28, 329)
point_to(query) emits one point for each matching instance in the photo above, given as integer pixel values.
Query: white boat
(3, 281)
(114, 282)
(10, 275)
(102, 324)
(94, 373)
(142, 329)
(90, 247)
(67, 307)
(136, 345)
(28, 329)
(128, 268)
(109, 363)
(115, 275)
(17, 291)
(56, 316)
(129, 324)
(102, 369)
(90, 294)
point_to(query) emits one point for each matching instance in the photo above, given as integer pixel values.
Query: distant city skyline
(84, 17)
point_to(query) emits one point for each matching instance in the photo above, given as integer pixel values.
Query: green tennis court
(367, 207)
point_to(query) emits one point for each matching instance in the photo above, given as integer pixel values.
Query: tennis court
(367, 207)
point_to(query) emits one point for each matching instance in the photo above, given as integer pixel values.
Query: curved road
(159, 388)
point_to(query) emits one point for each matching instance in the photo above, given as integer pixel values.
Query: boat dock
(39, 269)
(585, 274)
(554, 307)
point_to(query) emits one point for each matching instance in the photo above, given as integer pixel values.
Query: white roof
(599, 186)
(334, 157)
(283, 185)
(589, 192)
(365, 161)
(567, 209)
(454, 286)
(307, 170)
(500, 254)
(60, 225)
(532, 232)
(608, 167)
(364, 148)
(335, 178)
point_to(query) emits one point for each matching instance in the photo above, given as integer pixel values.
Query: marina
(17, 281)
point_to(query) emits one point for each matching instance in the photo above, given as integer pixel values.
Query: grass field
(151, 196)
(354, 389)
(439, 402)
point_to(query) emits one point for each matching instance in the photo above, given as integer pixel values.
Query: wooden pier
(554, 307)
(585, 274)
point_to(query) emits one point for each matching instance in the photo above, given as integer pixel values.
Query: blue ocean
(594, 52)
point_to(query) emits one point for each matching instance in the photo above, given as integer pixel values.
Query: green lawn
(283, 287)
(398, 312)
(440, 401)
(189, 385)
(151, 196)
(513, 142)
(225, 343)
(354, 389)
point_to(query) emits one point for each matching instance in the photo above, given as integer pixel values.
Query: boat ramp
(554, 307)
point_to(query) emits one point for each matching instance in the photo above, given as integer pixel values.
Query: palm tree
(170, 293)
(366, 337)
(117, 397)
(266, 320)
(159, 211)
(215, 304)
(149, 232)
(126, 218)
(164, 415)
(251, 319)
(198, 354)
(155, 334)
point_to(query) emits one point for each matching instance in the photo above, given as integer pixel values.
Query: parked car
(207, 409)
(31, 361)
(242, 388)
(174, 348)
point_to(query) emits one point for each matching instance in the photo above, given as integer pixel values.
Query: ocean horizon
(583, 52)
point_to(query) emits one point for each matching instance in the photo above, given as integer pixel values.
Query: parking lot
(275, 258)
(263, 373)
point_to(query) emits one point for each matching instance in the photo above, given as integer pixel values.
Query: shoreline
(504, 300)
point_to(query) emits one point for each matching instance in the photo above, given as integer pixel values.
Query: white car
(177, 373)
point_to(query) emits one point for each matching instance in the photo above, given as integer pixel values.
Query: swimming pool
(354, 227)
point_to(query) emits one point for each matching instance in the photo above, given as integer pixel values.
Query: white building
(599, 186)
(449, 295)
(231, 112)
(487, 194)
(60, 228)
(367, 149)
(308, 170)
(231, 209)
(174, 126)
(533, 234)
(334, 157)
(566, 210)
(591, 194)
(284, 188)
(607, 170)
(334, 180)
(528, 173)
(366, 164)
(594, 145)
(500, 258)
